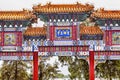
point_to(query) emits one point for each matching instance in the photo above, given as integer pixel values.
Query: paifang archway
(53, 49)
(17, 56)
(97, 57)
(93, 55)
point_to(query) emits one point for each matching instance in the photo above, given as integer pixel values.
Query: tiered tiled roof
(15, 15)
(36, 31)
(92, 30)
(62, 8)
(106, 14)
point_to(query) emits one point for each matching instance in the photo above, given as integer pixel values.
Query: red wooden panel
(75, 48)
(1, 38)
(57, 48)
(117, 53)
(73, 33)
(41, 49)
(107, 37)
(52, 49)
(52, 33)
(0, 54)
(46, 49)
(69, 49)
(20, 38)
(110, 37)
(14, 54)
(17, 38)
(62, 48)
(78, 48)
(3, 54)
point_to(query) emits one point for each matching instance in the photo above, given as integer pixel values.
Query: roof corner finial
(77, 3)
(24, 9)
(39, 5)
(87, 4)
(101, 9)
(36, 6)
(49, 3)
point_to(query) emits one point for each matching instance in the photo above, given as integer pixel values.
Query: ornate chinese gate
(54, 49)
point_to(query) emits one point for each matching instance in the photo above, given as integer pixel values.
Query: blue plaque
(63, 32)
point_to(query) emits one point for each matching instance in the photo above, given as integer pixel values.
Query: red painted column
(35, 66)
(91, 66)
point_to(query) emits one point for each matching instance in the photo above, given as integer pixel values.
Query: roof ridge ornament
(63, 8)
(48, 3)
(101, 9)
(39, 4)
(78, 3)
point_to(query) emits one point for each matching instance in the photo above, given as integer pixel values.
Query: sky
(27, 4)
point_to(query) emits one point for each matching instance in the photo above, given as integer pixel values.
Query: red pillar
(91, 66)
(35, 66)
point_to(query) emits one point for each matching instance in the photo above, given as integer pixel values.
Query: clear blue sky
(19, 4)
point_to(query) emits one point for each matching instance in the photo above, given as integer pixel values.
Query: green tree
(14, 70)
(108, 70)
(47, 71)
(78, 68)
(65, 60)
(60, 75)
